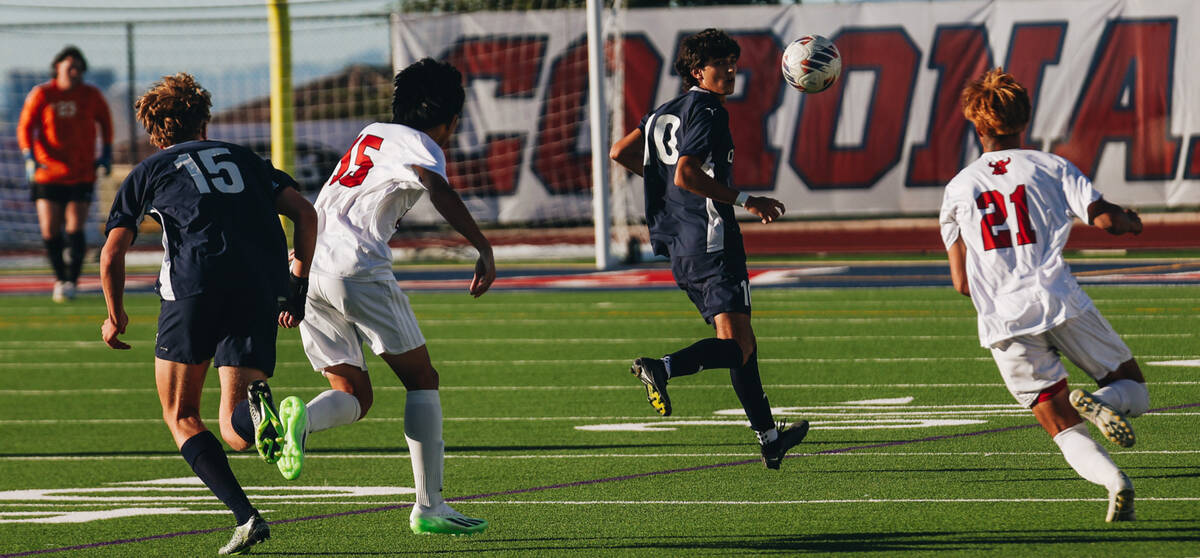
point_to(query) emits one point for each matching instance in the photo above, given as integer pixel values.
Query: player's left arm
(628, 151)
(1113, 218)
(958, 266)
(112, 281)
(447, 202)
(104, 119)
(291, 204)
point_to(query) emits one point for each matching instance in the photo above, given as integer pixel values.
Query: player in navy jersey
(224, 283)
(684, 151)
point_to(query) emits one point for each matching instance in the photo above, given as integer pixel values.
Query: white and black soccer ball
(811, 63)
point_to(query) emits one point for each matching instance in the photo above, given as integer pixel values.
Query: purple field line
(559, 485)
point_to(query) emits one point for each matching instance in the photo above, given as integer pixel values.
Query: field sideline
(916, 448)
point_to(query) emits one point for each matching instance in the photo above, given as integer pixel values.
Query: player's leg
(1090, 342)
(383, 318)
(237, 410)
(245, 321)
(179, 388)
(710, 288)
(1058, 417)
(334, 347)
(349, 398)
(1125, 389)
(1037, 379)
(423, 432)
(76, 219)
(774, 440)
(50, 223)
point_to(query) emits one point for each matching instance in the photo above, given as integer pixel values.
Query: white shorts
(341, 315)
(1030, 364)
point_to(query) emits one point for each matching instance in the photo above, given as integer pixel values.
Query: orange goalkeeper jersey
(60, 127)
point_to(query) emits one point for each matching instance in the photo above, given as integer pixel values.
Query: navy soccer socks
(242, 423)
(54, 252)
(748, 386)
(702, 355)
(207, 458)
(77, 248)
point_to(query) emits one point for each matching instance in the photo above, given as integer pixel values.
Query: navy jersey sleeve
(706, 127)
(131, 202)
(281, 180)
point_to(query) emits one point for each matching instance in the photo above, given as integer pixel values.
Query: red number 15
(998, 216)
(362, 161)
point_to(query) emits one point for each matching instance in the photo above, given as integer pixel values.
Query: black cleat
(653, 373)
(266, 421)
(246, 535)
(773, 452)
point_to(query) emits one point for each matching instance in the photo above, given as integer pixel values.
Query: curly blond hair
(174, 110)
(996, 104)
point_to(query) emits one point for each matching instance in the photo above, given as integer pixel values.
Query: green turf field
(551, 439)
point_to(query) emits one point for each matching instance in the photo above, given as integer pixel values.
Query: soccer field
(916, 448)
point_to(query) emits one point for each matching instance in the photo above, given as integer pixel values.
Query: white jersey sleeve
(1078, 190)
(360, 205)
(1013, 210)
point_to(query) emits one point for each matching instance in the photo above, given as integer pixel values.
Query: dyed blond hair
(996, 104)
(174, 110)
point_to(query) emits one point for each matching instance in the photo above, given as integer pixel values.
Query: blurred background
(860, 166)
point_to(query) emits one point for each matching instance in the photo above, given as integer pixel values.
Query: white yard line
(342, 456)
(798, 502)
(647, 419)
(626, 387)
(568, 362)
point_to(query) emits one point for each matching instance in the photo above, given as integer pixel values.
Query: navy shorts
(716, 283)
(231, 328)
(62, 193)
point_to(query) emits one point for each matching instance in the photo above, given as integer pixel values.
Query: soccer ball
(811, 63)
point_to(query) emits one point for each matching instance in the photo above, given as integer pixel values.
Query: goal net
(522, 157)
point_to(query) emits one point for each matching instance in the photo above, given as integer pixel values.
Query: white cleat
(1111, 422)
(1120, 502)
(69, 290)
(246, 535)
(59, 294)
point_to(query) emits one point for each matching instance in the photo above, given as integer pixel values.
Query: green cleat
(266, 421)
(444, 520)
(294, 416)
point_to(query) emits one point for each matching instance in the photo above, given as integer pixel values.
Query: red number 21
(998, 217)
(362, 161)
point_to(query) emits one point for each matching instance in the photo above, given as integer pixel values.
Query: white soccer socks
(1131, 398)
(423, 431)
(1088, 458)
(332, 408)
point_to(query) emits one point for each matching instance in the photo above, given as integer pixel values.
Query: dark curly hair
(69, 51)
(427, 93)
(174, 110)
(700, 49)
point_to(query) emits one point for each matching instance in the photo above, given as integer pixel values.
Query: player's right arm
(957, 253)
(112, 281)
(629, 151)
(954, 211)
(690, 175)
(447, 202)
(30, 119)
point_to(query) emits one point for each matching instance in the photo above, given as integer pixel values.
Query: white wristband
(741, 199)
